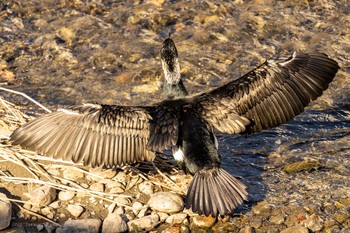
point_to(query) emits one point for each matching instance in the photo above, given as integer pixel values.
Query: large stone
(144, 223)
(5, 212)
(114, 223)
(80, 226)
(43, 195)
(166, 202)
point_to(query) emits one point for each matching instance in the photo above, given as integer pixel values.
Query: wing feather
(100, 135)
(269, 95)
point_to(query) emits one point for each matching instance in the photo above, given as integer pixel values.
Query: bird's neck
(173, 91)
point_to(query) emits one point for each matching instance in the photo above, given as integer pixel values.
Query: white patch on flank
(216, 143)
(179, 155)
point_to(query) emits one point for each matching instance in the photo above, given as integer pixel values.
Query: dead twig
(26, 96)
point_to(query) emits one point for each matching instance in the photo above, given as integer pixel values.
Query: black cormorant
(112, 135)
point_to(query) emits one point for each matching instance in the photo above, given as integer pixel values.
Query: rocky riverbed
(66, 52)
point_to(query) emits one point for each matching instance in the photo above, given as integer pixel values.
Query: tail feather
(214, 191)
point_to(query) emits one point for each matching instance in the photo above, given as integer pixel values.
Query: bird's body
(110, 135)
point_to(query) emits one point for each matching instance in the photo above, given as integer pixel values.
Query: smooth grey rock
(80, 226)
(5, 212)
(114, 223)
(66, 195)
(166, 202)
(144, 223)
(75, 210)
(43, 195)
(176, 218)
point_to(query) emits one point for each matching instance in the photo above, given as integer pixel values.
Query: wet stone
(81, 225)
(262, 207)
(300, 166)
(277, 217)
(256, 221)
(114, 223)
(166, 202)
(299, 229)
(313, 223)
(5, 212)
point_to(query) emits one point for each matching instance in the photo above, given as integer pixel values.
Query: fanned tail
(214, 191)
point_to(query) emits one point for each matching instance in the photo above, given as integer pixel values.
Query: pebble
(5, 212)
(142, 212)
(146, 188)
(162, 216)
(122, 201)
(75, 210)
(72, 174)
(99, 173)
(43, 195)
(146, 222)
(256, 221)
(98, 187)
(114, 223)
(299, 229)
(120, 177)
(66, 195)
(203, 221)
(313, 223)
(176, 218)
(137, 206)
(48, 212)
(55, 204)
(166, 202)
(80, 225)
(261, 207)
(116, 190)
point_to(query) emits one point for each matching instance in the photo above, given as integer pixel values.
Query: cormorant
(112, 135)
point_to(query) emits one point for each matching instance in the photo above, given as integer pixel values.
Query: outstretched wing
(269, 95)
(98, 135)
